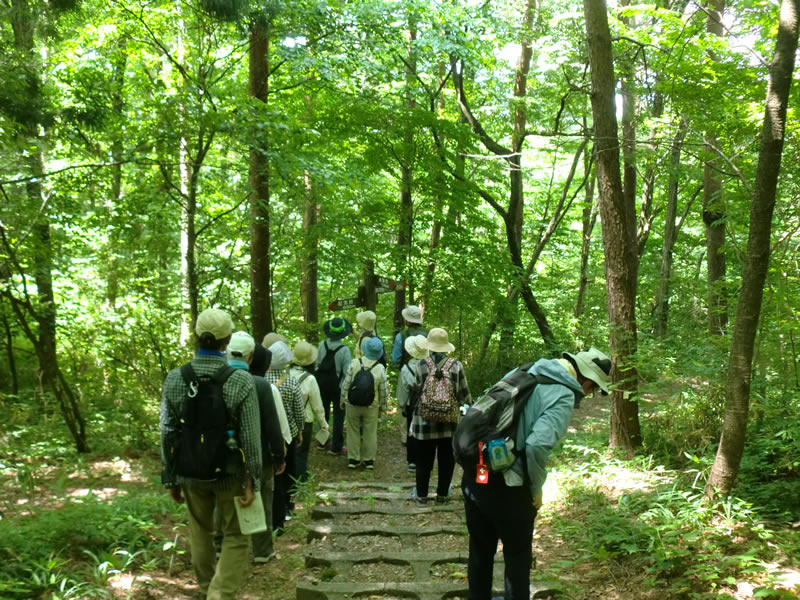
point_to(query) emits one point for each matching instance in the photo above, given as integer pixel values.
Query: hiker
(241, 355)
(366, 323)
(305, 355)
(292, 398)
(333, 361)
(195, 477)
(407, 394)
(412, 318)
(365, 395)
(442, 389)
(505, 506)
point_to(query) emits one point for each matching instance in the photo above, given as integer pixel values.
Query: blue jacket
(544, 422)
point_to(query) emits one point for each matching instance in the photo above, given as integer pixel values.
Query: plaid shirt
(242, 402)
(422, 430)
(292, 399)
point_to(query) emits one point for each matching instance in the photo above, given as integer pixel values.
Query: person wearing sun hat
(215, 578)
(305, 355)
(518, 490)
(366, 321)
(434, 440)
(406, 395)
(362, 421)
(412, 319)
(330, 376)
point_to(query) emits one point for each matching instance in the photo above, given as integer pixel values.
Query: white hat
(437, 341)
(366, 320)
(214, 321)
(304, 353)
(281, 355)
(593, 365)
(412, 314)
(241, 346)
(412, 347)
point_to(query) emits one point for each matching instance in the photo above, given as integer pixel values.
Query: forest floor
(581, 501)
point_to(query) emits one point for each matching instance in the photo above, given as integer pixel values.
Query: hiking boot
(352, 463)
(369, 465)
(412, 468)
(442, 499)
(422, 502)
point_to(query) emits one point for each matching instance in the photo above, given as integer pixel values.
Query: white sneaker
(261, 560)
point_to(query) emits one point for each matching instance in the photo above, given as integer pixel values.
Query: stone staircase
(370, 540)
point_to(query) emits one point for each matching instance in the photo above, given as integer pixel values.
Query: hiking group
(237, 424)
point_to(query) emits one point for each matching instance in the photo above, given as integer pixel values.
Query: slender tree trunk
(619, 231)
(260, 284)
(714, 209)
(661, 313)
(587, 221)
(12, 363)
(309, 276)
(748, 310)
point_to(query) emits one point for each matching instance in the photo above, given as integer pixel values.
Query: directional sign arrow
(343, 304)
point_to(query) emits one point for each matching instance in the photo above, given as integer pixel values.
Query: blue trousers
(495, 512)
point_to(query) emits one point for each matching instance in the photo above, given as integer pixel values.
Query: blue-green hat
(372, 348)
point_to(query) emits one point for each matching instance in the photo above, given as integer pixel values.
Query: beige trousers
(362, 431)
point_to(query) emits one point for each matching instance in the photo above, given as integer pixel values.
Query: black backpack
(203, 448)
(327, 377)
(403, 335)
(362, 389)
(490, 425)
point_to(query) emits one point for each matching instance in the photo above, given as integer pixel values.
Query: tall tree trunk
(44, 313)
(661, 312)
(12, 363)
(714, 209)
(260, 284)
(619, 231)
(748, 309)
(588, 220)
(405, 221)
(629, 101)
(309, 275)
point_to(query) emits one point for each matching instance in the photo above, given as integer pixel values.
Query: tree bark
(588, 220)
(260, 284)
(309, 276)
(619, 231)
(661, 312)
(714, 209)
(12, 362)
(748, 309)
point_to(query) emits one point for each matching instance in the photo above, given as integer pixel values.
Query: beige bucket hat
(437, 341)
(304, 353)
(413, 348)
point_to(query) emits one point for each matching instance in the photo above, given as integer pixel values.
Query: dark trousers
(427, 451)
(301, 457)
(497, 511)
(282, 496)
(337, 442)
(411, 443)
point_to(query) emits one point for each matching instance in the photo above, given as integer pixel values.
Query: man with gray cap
(216, 579)
(412, 318)
(504, 506)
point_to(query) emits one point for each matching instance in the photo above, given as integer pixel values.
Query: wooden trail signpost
(367, 295)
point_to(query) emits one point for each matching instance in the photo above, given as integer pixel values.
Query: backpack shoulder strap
(281, 381)
(335, 350)
(188, 374)
(303, 377)
(375, 364)
(222, 374)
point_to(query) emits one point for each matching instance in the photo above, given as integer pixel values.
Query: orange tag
(482, 475)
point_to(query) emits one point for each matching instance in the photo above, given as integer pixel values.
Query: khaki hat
(366, 320)
(412, 347)
(241, 345)
(304, 353)
(593, 365)
(273, 337)
(214, 321)
(437, 341)
(412, 314)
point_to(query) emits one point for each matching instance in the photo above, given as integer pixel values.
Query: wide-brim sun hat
(593, 365)
(214, 321)
(273, 337)
(372, 348)
(337, 328)
(304, 353)
(437, 341)
(412, 347)
(366, 320)
(412, 314)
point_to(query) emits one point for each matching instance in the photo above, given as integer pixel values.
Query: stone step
(403, 590)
